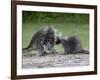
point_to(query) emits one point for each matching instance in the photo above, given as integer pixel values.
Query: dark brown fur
(71, 45)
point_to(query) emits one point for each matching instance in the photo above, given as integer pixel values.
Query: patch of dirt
(31, 61)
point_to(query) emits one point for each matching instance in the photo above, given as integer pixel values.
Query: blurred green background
(70, 24)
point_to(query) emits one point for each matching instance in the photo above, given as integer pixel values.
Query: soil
(31, 61)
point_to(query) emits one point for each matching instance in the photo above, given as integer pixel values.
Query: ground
(31, 61)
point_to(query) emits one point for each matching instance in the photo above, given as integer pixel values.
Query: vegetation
(70, 24)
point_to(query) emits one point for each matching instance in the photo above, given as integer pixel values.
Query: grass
(67, 29)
